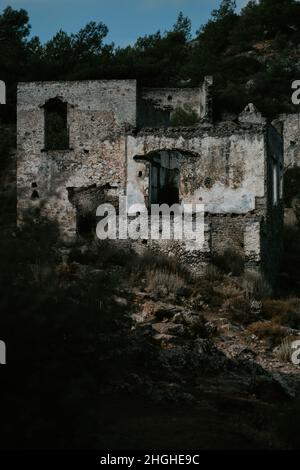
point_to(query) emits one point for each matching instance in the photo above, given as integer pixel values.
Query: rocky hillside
(131, 352)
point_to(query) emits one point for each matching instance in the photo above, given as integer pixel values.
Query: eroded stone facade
(291, 136)
(233, 168)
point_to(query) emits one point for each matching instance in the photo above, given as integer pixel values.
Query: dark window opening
(164, 181)
(86, 224)
(56, 125)
(208, 182)
(35, 195)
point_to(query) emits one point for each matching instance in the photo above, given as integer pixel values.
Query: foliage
(256, 286)
(212, 273)
(230, 262)
(269, 331)
(255, 46)
(284, 351)
(163, 281)
(284, 312)
(183, 118)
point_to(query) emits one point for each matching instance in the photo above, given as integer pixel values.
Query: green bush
(182, 118)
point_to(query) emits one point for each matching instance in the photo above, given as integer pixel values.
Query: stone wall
(98, 114)
(222, 167)
(157, 105)
(291, 138)
(219, 168)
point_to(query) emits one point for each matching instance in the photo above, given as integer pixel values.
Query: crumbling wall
(291, 139)
(157, 105)
(98, 114)
(225, 172)
(222, 167)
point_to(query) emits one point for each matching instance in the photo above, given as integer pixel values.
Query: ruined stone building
(80, 143)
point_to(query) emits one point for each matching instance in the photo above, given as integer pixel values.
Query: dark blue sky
(126, 19)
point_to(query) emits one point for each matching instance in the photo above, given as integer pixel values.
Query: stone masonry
(120, 139)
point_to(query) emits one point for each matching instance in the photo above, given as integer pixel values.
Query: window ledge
(57, 150)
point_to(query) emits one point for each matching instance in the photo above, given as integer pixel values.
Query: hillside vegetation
(253, 55)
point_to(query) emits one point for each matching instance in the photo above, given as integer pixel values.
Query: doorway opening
(164, 179)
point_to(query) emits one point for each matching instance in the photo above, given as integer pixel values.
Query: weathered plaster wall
(189, 99)
(226, 173)
(157, 105)
(221, 169)
(291, 137)
(98, 114)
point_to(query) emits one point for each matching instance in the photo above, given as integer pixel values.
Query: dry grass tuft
(283, 312)
(256, 286)
(230, 262)
(284, 350)
(268, 331)
(212, 273)
(152, 261)
(228, 291)
(164, 281)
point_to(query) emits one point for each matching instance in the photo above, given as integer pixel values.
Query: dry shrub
(198, 327)
(65, 269)
(283, 312)
(111, 252)
(238, 310)
(41, 271)
(230, 262)
(284, 350)
(163, 280)
(228, 291)
(256, 286)
(212, 273)
(153, 261)
(181, 117)
(202, 288)
(269, 331)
